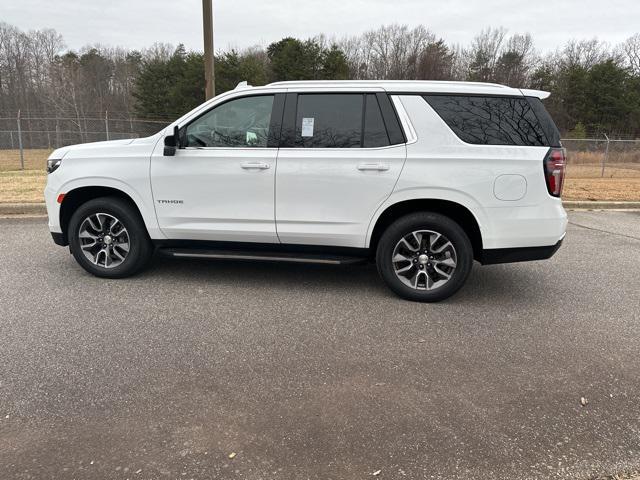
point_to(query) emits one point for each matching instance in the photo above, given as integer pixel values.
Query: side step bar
(262, 256)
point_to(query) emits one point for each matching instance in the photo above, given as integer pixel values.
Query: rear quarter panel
(441, 166)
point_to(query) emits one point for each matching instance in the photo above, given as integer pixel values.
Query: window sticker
(252, 138)
(307, 127)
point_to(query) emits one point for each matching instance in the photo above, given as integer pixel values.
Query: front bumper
(53, 207)
(522, 254)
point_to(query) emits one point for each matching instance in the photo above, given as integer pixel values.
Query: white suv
(423, 177)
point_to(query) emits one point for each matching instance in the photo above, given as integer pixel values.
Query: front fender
(144, 202)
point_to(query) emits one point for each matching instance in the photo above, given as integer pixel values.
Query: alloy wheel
(104, 240)
(424, 260)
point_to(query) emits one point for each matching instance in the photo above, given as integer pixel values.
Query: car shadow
(496, 283)
(514, 283)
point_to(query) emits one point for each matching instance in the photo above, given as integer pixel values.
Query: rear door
(340, 157)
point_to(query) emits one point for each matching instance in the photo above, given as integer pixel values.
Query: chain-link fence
(26, 139)
(602, 157)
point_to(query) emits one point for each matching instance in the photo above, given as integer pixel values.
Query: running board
(262, 256)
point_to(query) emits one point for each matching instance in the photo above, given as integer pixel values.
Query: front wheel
(424, 257)
(108, 238)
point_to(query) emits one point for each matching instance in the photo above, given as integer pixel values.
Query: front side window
(243, 122)
(490, 120)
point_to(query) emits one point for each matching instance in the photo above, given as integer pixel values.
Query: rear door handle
(255, 165)
(380, 167)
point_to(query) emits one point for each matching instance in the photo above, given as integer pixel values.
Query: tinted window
(490, 120)
(375, 133)
(547, 123)
(329, 121)
(243, 122)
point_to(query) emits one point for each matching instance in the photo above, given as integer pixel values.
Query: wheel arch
(456, 211)
(80, 195)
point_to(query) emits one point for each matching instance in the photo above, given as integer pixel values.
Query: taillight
(554, 167)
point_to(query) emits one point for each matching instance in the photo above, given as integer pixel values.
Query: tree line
(595, 86)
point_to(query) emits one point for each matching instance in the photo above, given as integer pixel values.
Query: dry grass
(612, 170)
(35, 159)
(22, 186)
(594, 158)
(619, 189)
(621, 181)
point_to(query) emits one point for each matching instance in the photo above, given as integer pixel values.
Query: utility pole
(207, 26)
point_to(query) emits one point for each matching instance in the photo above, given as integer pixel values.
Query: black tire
(140, 246)
(424, 221)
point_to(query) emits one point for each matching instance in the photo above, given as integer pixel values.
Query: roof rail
(410, 86)
(386, 82)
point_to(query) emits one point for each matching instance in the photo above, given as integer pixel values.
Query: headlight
(53, 164)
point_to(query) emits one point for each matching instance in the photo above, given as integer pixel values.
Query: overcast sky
(242, 23)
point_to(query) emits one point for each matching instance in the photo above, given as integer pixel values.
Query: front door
(220, 186)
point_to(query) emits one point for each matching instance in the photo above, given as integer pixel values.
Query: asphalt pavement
(310, 371)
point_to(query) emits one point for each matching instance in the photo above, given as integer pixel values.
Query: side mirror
(171, 142)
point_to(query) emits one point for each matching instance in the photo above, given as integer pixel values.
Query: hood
(59, 153)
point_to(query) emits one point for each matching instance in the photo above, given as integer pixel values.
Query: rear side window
(329, 121)
(546, 122)
(375, 133)
(339, 121)
(490, 120)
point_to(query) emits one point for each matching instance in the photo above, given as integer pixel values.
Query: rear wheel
(424, 257)
(108, 238)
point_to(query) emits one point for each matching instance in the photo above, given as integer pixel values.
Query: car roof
(414, 86)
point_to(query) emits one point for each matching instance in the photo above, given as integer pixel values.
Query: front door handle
(380, 167)
(255, 165)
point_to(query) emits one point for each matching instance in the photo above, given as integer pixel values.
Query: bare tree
(390, 52)
(631, 49)
(460, 63)
(38, 75)
(484, 53)
(583, 53)
(158, 51)
(516, 61)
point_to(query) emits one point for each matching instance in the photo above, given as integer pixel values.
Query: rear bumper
(522, 254)
(516, 227)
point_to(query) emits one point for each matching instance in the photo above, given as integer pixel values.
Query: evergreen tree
(170, 87)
